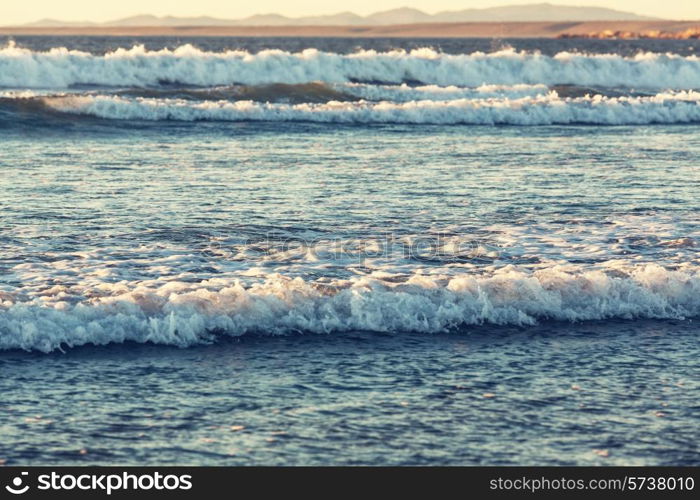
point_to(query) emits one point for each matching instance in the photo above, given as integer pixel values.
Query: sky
(23, 11)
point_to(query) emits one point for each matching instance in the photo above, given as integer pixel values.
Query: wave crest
(185, 314)
(667, 108)
(62, 68)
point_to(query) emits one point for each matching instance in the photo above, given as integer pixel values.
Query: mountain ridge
(403, 15)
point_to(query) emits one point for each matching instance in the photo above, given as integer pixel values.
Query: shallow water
(354, 247)
(616, 393)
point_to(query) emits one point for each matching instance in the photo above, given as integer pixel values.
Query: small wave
(406, 93)
(668, 108)
(320, 92)
(185, 314)
(187, 65)
(314, 92)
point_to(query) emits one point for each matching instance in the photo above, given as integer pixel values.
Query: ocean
(279, 251)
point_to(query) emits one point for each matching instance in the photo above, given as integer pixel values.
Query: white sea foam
(185, 314)
(678, 107)
(406, 93)
(60, 68)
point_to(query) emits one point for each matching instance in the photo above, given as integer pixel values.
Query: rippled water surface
(598, 394)
(371, 252)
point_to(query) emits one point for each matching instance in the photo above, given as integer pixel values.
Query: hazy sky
(22, 11)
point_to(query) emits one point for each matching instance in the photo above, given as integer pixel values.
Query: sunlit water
(450, 264)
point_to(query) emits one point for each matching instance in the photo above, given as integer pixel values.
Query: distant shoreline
(423, 30)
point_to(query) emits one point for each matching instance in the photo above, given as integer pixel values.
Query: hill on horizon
(403, 15)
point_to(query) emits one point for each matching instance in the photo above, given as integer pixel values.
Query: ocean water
(342, 251)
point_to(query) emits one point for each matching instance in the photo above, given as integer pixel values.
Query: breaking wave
(185, 314)
(666, 108)
(137, 66)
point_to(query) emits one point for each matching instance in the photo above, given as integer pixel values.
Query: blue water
(300, 251)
